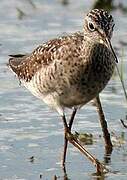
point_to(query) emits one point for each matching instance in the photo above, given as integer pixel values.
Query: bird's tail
(14, 62)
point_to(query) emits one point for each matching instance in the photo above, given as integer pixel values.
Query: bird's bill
(111, 48)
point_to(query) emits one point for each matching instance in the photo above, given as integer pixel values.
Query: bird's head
(99, 26)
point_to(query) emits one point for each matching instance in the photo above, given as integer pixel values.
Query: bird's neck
(94, 40)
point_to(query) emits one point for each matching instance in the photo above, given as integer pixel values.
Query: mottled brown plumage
(25, 66)
(73, 68)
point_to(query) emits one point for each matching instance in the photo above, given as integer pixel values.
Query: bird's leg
(72, 118)
(69, 136)
(106, 134)
(66, 128)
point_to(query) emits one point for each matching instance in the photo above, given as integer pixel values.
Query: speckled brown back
(25, 66)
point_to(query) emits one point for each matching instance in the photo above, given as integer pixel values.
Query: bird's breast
(74, 81)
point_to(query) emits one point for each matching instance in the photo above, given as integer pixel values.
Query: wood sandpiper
(69, 71)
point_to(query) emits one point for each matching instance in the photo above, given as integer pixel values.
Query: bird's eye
(91, 27)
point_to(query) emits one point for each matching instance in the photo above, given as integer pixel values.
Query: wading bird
(70, 71)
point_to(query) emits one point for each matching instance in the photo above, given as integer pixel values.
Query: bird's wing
(25, 66)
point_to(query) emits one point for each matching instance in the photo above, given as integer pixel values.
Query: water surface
(28, 128)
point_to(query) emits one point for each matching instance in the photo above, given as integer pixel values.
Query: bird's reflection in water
(106, 161)
(107, 155)
(65, 176)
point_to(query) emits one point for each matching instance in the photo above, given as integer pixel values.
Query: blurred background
(31, 134)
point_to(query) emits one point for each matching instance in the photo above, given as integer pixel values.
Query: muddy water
(31, 135)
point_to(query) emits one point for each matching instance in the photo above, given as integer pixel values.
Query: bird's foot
(70, 137)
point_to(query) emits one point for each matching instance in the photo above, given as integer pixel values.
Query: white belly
(51, 99)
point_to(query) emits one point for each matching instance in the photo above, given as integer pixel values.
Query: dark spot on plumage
(75, 64)
(83, 81)
(89, 90)
(71, 71)
(92, 86)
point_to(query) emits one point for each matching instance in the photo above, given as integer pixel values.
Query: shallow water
(27, 126)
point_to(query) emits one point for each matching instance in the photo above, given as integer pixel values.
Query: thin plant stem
(124, 125)
(122, 82)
